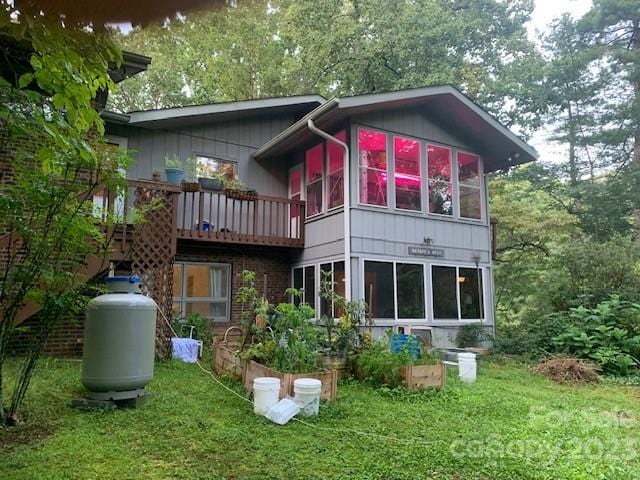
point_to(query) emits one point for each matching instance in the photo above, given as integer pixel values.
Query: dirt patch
(12, 437)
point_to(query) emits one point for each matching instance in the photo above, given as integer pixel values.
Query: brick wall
(272, 262)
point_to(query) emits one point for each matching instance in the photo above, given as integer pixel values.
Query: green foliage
(59, 158)
(172, 162)
(261, 49)
(471, 335)
(608, 334)
(378, 365)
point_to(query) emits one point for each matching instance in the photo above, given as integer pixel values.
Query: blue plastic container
(400, 341)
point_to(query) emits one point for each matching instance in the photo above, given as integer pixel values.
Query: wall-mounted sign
(426, 251)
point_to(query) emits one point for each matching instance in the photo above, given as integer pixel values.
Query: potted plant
(190, 183)
(212, 182)
(173, 170)
(234, 188)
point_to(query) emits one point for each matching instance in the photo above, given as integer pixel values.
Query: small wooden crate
(329, 379)
(419, 377)
(226, 361)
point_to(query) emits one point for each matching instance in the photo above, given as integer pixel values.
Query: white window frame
(458, 266)
(332, 263)
(358, 167)
(328, 172)
(452, 180)
(316, 286)
(394, 261)
(322, 180)
(217, 158)
(480, 187)
(183, 299)
(421, 145)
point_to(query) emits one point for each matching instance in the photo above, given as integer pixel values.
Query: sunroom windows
(394, 290)
(406, 154)
(450, 180)
(457, 293)
(323, 177)
(372, 164)
(469, 185)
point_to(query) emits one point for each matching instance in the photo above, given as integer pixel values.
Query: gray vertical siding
(233, 140)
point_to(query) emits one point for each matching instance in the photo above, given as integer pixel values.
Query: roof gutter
(296, 127)
(346, 204)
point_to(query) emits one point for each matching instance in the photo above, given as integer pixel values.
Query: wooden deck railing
(263, 220)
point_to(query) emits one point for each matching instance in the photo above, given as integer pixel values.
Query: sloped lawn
(511, 424)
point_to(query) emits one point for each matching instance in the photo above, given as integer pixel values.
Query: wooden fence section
(263, 220)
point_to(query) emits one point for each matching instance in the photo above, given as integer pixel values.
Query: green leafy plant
(172, 162)
(471, 335)
(608, 334)
(191, 170)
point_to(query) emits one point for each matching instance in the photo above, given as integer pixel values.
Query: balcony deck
(225, 218)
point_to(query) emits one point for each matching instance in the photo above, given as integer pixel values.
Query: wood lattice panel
(152, 255)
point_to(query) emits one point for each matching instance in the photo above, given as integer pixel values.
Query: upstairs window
(469, 186)
(335, 171)
(295, 190)
(372, 161)
(406, 153)
(440, 186)
(314, 175)
(209, 167)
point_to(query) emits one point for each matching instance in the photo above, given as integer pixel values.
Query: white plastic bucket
(467, 367)
(266, 393)
(307, 395)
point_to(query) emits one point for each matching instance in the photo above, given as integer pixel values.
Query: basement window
(202, 288)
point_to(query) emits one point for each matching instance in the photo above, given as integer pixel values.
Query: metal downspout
(346, 204)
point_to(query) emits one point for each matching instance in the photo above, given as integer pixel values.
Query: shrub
(379, 366)
(608, 334)
(471, 335)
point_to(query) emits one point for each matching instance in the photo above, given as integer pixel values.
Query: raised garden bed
(329, 379)
(419, 377)
(226, 361)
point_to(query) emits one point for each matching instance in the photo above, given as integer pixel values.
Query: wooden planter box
(329, 379)
(226, 361)
(419, 377)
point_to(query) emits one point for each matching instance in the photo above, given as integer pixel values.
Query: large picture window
(440, 186)
(379, 289)
(410, 291)
(372, 161)
(457, 293)
(469, 186)
(203, 288)
(406, 154)
(314, 175)
(335, 171)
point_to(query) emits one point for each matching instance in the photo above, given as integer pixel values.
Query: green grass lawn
(510, 424)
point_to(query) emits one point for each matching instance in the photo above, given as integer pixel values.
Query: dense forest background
(567, 231)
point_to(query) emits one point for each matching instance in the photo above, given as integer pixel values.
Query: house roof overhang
(453, 110)
(190, 115)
